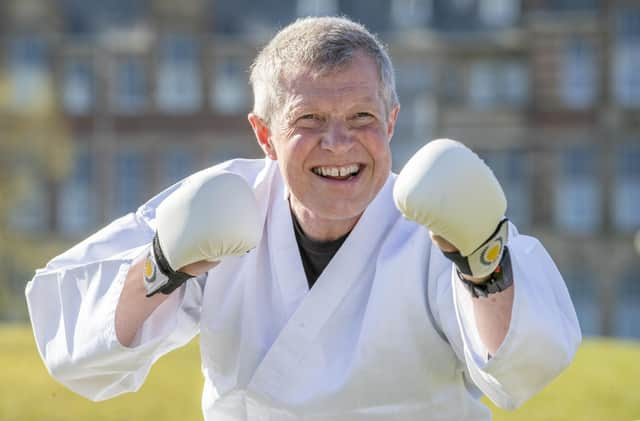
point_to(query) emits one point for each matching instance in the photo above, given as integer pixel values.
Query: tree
(35, 147)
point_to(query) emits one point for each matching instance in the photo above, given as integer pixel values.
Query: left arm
(541, 338)
(493, 316)
(520, 336)
(492, 313)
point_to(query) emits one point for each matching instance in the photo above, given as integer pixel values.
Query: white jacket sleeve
(543, 335)
(72, 303)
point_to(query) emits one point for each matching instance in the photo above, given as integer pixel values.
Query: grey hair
(320, 44)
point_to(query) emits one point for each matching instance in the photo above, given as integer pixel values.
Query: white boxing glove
(212, 215)
(447, 188)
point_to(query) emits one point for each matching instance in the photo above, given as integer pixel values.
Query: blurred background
(105, 103)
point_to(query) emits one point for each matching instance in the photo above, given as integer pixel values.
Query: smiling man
(322, 285)
(331, 140)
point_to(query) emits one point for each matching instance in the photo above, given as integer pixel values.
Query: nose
(337, 139)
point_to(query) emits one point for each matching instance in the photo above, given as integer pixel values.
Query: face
(331, 140)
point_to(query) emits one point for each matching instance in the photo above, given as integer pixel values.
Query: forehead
(355, 81)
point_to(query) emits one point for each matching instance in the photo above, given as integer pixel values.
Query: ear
(263, 135)
(391, 123)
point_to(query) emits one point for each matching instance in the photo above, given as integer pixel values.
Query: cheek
(293, 154)
(380, 151)
(382, 168)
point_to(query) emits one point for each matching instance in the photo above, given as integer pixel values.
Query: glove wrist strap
(158, 274)
(483, 260)
(501, 278)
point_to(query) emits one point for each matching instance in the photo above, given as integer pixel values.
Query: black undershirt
(315, 254)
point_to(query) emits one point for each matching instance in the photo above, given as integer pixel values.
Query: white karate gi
(386, 333)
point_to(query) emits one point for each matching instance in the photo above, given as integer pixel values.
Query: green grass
(27, 392)
(603, 384)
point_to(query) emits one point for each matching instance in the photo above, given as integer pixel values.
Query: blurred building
(548, 91)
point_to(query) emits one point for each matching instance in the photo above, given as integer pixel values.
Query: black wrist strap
(176, 277)
(500, 279)
(461, 262)
(464, 263)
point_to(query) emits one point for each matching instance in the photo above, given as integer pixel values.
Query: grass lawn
(603, 384)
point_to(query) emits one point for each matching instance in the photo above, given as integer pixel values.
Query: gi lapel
(277, 370)
(284, 257)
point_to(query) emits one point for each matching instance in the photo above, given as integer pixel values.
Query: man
(322, 286)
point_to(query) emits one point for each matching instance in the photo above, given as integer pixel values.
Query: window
(416, 124)
(128, 89)
(498, 82)
(452, 83)
(628, 308)
(411, 13)
(498, 12)
(455, 15)
(129, 182)
(516, 83)
(78, 85)
(266, 16)
(227, 17)
(28, 72)
(482, 89)
(512, 170)
(374, 14)
(87, 17)
(224, 148)
(463, 5)
(249, 18)
(572, 5)
(579, 75)
(416, 119)
(317, 7)
(178, 74)
(577, 196)
(178, 163)
(626, 60)
(626, 200)
(230, 93)
(76, 206)
(584, 296)
(30, 209)
(413, 78)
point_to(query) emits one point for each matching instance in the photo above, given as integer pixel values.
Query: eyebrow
(365, 102)
(294, 112)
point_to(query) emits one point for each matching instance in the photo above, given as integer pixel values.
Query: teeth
(337, 171)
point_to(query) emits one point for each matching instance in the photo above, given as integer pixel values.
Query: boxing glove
(213, 214)
(450, 190)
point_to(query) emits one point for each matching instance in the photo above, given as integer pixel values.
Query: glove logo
(491, 252)
(149, 270)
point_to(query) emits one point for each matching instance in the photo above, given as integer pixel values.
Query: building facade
(547, 91)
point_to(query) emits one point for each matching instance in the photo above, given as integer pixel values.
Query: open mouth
(338, 173)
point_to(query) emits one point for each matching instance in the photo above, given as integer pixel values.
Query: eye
(362, 118)
(309, 121)
(310, 117)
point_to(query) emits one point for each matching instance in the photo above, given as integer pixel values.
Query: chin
(340, 211)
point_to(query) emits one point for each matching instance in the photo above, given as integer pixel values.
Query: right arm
(99, 324)
(134, 307)
(72, 303)
(212, 216)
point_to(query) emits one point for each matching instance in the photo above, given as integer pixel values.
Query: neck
(318, 228)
